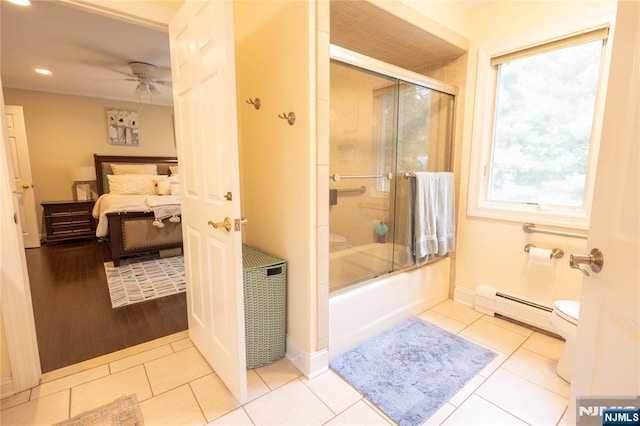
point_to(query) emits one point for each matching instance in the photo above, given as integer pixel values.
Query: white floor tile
(333, 391)
(69, 381)
(493, 365)
(176, 369)
(141, 358)
(237, 417)
(457, 311)
(213, 396)
(256, 387)
(182, 344)
(544, 345)
(531, 403)
(520, 385)
(478, 412)
(290, 404)
(175, 407)
(466, 390)
(444, 322)
(537, 369)
(359, 414)
(278, 373)
(107, 389)
(508, 325)
(440, 415)
(44, 411)
(493, 336)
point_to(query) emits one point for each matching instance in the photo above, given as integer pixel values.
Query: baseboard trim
(463, 295)
(311, 364)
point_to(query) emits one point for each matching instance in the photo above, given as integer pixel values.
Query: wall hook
(291, 117)
(256, 103)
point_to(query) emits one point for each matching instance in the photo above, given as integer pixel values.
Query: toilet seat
(568, 310)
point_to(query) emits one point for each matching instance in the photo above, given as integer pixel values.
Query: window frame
(482, 137)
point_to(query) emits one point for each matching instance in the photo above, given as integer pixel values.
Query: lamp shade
(82, 173)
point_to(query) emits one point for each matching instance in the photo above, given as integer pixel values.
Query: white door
(607, 359)
(203, 68)
(22, 171)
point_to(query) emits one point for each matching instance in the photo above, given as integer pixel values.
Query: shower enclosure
(386, 123)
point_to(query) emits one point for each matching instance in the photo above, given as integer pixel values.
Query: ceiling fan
(144, 74)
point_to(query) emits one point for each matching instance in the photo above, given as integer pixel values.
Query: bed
(137, 221)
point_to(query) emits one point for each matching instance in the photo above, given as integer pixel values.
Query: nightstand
(68, 220)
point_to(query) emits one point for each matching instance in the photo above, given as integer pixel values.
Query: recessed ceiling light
(43, 71)
(21, 2)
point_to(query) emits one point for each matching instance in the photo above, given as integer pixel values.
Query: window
(540, 142)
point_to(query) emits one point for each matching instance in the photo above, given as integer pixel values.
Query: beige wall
(65, 131)
(491, 251)
(273, 63)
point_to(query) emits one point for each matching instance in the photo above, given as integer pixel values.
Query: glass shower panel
(425, 126)
(362, 150)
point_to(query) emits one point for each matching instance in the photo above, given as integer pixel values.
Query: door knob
(26, 186)
(594, 259)
(226, 224)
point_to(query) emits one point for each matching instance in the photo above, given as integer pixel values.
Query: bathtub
(358, 263)
(370, 307)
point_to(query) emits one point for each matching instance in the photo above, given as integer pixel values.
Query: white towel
(445, 213)
(433, 215)
(425, 240)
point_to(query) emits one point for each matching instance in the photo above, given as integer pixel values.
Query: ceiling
(87, 53)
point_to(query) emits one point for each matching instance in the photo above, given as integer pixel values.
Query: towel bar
(531, 228)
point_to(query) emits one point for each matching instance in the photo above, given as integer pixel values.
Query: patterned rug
(138, 280)
(124, 411)
(411, 370)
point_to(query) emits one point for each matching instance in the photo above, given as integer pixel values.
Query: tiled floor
(175, 386)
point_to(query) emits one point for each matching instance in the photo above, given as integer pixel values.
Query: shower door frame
(366, 63)
(359, 60)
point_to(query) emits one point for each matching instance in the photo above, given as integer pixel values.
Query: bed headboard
(103, 166)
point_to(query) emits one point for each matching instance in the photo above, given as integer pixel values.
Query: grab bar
(336, 177)
(361, 190)
(530, 228)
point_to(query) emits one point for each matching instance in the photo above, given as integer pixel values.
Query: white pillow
(132, 184)
(134, 169)
(163, 185)
(174, 170)
(174, 178)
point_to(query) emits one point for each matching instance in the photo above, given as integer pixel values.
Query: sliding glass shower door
(380, 128)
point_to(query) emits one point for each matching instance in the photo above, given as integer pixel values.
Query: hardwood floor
(73, 313)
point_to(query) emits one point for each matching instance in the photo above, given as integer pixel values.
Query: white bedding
(110, 203)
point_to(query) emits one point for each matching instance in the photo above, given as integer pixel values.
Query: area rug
(411, 370)
(124, 411)
(138, 280)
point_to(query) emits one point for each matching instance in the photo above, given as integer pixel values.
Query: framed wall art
(123, 127)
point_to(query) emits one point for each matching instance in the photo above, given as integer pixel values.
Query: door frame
(16, 304)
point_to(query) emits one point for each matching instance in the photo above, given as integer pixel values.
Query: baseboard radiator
(491, 302)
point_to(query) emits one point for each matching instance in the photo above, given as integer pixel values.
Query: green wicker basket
(265, 306)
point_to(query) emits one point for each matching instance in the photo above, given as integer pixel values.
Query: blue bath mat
(412, 369)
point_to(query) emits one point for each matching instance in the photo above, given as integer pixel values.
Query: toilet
(337, 242)
(564, 319)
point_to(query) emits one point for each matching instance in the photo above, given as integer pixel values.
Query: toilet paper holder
(555, 253)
